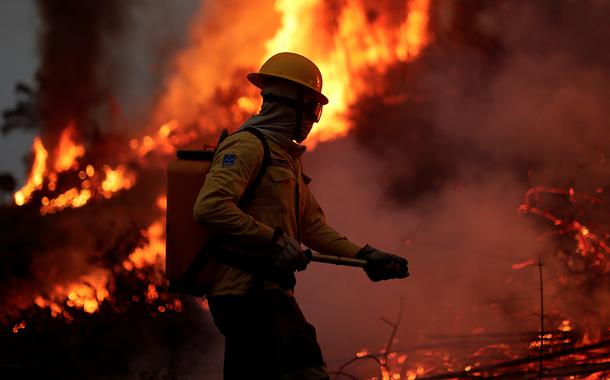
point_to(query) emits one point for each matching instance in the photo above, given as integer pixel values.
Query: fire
(413, 34)
(37, 173)
(565, 326)
(19, 326)
(152, 254)
(94, 287)
(87, 294)
(411, 375)
(164, 141)
(72, 198)
(151, 293)
(351, 51)
(67, 151)
(589, 243)
(362, 353)
(67, 154)
(357, 47)
(116, 180)
(525, 264)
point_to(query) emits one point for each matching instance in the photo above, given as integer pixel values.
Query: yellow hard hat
(293, 67)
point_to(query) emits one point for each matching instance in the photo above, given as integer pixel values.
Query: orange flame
(19, 326)
(116, 180)
(358, 47)
(93, 288)
(37, 173)
(71, 198)
(351, 54)
(362, 353)
(153, 254)
(85, 294)
(413, 32)
(67, 151)
(524, 264)
(164, 141)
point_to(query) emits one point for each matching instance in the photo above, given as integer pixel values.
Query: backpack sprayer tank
(185, 238)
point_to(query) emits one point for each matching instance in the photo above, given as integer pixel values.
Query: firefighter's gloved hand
(382, 265)
(289, 255)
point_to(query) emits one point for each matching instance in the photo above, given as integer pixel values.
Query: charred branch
(476, 372)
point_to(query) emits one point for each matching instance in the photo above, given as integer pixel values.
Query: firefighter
(266, 334)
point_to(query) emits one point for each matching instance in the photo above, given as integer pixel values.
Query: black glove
(289, 257)
(382, 265)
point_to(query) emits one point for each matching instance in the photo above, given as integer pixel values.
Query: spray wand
(337, 260)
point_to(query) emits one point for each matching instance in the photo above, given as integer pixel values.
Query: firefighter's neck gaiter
(278, 122)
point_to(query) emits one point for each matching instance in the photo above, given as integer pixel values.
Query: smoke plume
(507, 96)
(102, 63)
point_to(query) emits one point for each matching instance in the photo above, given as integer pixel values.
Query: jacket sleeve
(318, 235)
(235, 165)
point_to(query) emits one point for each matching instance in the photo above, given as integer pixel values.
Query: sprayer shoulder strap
(202, 257)
(248, 194)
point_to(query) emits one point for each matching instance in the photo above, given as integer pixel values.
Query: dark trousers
(266, 337)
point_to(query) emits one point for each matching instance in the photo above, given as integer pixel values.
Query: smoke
(102, 64)
(508, 95)
(71, 51)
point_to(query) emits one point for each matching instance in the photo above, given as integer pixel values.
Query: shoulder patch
(228, 160)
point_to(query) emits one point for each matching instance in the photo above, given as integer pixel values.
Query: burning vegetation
(446, 96)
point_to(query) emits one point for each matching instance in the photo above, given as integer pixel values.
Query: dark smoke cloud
(507, 95)
(71, 52)
(102, 62)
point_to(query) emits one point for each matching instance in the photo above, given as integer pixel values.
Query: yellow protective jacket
(274, 204)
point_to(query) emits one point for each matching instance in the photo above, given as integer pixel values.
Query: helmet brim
(258, 80)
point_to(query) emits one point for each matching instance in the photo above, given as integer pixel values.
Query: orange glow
(413, 34)
(151, 293)
(162, 203)
(152, 254)
(525, 264)
(164, 141)
(72, 198)
(587, 241)
(18, 326)
(249, 105)
(37, 173)
(85, 294)
(412, 375)
(90, 170)
(94, 287)
(362, 353)
(351, 52)
(52, 177)
(116, 180)
(67, 151)
(358, 47)
(565, 326)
